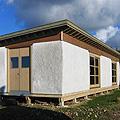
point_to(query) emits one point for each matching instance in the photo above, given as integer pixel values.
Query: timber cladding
(19, 69)
(88, 47)
(66, 38)
(29, 43)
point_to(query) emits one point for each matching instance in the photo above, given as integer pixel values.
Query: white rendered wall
(75, 69)
(59, 68)
(118, 73)
(47, 67)
(105, 71)
(3, 69)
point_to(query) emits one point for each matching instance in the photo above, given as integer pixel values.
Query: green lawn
(105, 107)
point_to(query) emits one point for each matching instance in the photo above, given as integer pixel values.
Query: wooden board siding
(29, 43)
(69, 39)
(14, 72)
(19, 75)
(88, 47)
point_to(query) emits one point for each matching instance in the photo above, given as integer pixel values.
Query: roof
(53, 28)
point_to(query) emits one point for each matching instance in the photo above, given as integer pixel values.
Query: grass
(110, 99)
(105, 107)
(99, 108)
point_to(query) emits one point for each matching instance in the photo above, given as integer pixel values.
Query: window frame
(114, 83)
(98, 57)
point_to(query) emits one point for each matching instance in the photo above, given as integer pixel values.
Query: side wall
(105, 71)
(60, 68)
(75, 68)
(3, 69)
(88, 47)
(47, 67)
(118, 73)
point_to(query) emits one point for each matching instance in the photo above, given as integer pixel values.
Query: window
(25, 61)
(114, 70)
(94, 71)
(14, 62)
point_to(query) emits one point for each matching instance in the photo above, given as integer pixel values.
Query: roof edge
(61, 23)
(35, 29)
(75, 27)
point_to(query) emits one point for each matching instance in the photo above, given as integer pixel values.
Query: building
(57, 60)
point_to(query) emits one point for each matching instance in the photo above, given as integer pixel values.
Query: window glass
(96, 71)
(14, 62)
(91, 70)
(113, 79)
(97, 80)
(25, 61)
(91, 80)
(96, 62)
(113, 65)
(113, 72)
(91, 60)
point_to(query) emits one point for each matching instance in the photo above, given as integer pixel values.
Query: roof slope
(53, 28)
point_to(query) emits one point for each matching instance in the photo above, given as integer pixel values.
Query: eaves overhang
(35, 29)
(54, 28)
(92, 40)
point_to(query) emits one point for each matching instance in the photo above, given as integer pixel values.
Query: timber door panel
(24, 69)
(14, 69)
(14, 79)
(19, 69)
(24, 79)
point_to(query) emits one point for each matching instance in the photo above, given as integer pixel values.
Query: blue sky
(100, 18)
(7, 19)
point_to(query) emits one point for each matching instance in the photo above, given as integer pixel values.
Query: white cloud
(9, 1)
(90, 15)
(106, 34)
(114, 41)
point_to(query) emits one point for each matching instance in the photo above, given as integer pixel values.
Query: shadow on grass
(27, 113)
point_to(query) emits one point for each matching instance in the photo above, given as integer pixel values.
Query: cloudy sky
(100, 18)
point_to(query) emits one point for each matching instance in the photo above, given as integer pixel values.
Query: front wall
(3, 69)
(47, 67)
(105, 71)
(75, 68)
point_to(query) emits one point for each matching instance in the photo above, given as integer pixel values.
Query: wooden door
(19, 69)
(24, 69)
(14, 69)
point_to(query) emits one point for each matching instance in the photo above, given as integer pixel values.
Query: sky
(101, 18)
